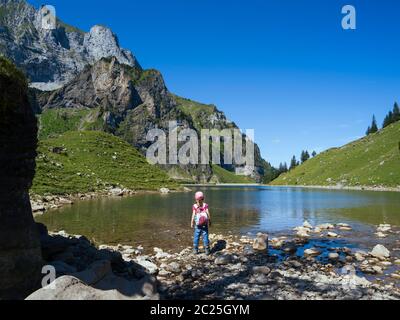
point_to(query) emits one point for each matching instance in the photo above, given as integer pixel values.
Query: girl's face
(200, 202)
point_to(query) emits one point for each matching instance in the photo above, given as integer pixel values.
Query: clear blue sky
(284, 68)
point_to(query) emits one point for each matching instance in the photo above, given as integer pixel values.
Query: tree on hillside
(304, 156)
(314, 154)
(373, 128)
(393, 116)
(293, 163)
(388, 119)
(396, 112)
(283, 168)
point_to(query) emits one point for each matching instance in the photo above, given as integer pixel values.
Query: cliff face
(51, 58)
(20, 253)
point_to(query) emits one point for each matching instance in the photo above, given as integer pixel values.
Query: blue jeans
(198, 232)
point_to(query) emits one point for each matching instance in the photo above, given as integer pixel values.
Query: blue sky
(284, 68)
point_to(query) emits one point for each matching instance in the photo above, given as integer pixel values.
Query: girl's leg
(206, 239)
(196, 239)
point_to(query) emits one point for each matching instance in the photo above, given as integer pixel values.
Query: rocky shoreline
(301, 266)
(41, 204)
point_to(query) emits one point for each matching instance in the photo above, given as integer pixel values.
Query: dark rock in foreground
(20, 258)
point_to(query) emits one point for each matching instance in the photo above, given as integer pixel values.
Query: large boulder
(71, 288)
(20, 255)
(380, 251)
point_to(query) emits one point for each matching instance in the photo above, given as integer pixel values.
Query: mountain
(371, 161)
(85, 81)
(51, 58)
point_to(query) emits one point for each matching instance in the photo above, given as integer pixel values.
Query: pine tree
(314, 154)
(304, 156)
(293, 163)
(388, 119)
(396, 112)
(373, 128)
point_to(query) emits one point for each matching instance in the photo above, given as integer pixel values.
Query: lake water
(164, 220)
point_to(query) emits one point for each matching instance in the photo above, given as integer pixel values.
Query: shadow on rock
(85, 272)
(220, 245)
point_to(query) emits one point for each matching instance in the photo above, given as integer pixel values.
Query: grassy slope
(54, 122)
(225, 176)
(92, 161)
(373, 160)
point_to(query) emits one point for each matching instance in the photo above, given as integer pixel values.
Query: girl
(201, 221)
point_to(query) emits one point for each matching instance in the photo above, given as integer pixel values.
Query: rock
(302, 232)
(38, 208)
(384, 228)
(290, 248)
(261, 242)
(397, 261)
(174, 267)
(381, 235)
(343, 225)
(117, 192)
(70, 288)
(62, 267)
(345, 228)
(276, 243)
(96, 271)
(359, 257)
(307, 225)
(395, 276)
(317, 230)
(259, 279)
(380, 251)
(333, 256)
(311, 252)
(326, 226)
(332, 235)
(348, 270)
(20, 254)
(248, 250)
(224, 260)
(377, 269)
(261, 270)
(148, 265)
(164, 191)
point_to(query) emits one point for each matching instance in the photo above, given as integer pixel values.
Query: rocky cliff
(20, 255)
(128, 102)
(52, 57)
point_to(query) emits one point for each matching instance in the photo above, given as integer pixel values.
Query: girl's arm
(192, 222)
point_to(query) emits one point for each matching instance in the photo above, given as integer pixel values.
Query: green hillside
(371, 161)
(225, 176)
(78, 162)
(54, 122)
